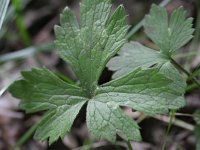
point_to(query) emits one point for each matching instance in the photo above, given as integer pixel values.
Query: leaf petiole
(186, 72)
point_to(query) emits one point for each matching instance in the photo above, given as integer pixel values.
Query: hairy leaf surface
(88, 47)
(134, 55)
(107, 119)
(42, 90)
(143, 90)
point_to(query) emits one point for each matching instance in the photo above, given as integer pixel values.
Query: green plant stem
(134, 29)
(172, 116)
(193, 79)
(129, 145)
(191, 87)
(140, 24)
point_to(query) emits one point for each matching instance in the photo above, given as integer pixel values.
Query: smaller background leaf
(132, 56)
(168, 34)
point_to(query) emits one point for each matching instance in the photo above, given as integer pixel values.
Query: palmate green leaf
(88, 47)
(168, 33)
(42, 90)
